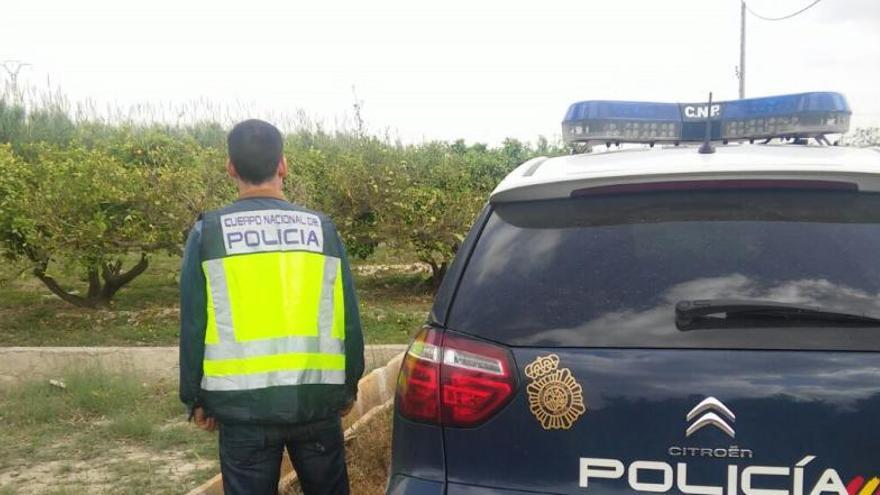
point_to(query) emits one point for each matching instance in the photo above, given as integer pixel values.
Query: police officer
(271, 348)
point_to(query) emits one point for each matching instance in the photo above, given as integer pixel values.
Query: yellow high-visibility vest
(275, 304)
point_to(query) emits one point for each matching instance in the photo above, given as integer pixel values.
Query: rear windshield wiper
(725, 313)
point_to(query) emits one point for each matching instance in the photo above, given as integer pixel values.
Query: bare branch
(56, 289)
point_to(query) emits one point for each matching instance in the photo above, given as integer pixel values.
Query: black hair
(255, 150)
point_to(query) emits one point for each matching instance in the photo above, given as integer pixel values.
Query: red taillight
(461, 383)
(418, 388)
(476, 379)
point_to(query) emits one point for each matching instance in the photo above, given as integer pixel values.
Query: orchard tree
(439, 192)
(347, 177)
(185, 178)
(14, 190)
(431, 223)
(85, 209)
(431, 203)
(89, 195)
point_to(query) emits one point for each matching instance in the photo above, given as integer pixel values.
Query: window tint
(608, 271)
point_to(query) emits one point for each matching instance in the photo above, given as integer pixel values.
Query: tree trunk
(438, 271)
(55, 288)
(100, 292)
(115, 279)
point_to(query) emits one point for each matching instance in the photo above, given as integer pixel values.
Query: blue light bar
(802, 115)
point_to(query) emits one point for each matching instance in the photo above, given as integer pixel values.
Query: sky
(478, 70)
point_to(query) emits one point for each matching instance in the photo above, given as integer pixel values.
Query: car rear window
(607, 271)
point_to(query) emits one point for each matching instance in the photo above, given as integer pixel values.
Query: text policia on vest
(271, 230)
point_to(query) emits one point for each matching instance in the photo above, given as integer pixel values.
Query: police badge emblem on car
(556, 399)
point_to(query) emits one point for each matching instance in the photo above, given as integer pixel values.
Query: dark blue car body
(593, 283)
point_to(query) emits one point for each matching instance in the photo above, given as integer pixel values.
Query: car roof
(547, 178)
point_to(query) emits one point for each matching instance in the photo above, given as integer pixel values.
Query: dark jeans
(250, 457)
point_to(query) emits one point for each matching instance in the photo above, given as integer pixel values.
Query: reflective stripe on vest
(274, 318)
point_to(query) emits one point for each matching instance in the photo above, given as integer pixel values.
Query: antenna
(706, 148)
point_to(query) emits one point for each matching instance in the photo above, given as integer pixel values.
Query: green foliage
(89, 207)
(345, 177)
(88, 200)
(14, 185)
(87, 195)
(436, 194)
(49, 122)
(12, 119)
(419, 199)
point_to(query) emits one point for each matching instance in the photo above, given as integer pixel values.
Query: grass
(393, 305)
(101, 430)
(394, 302)
(109, 433)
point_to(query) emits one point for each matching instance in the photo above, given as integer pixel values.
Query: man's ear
(230, 169)
(282, 167)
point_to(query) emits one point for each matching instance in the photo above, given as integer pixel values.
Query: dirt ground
(89, 437)
(97, 432)
(105, 474)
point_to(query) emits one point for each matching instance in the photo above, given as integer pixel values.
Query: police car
(660, 320)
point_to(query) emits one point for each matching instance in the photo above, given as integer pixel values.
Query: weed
(96, 393)
(132, 426)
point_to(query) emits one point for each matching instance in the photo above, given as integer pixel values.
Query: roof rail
(532, 165)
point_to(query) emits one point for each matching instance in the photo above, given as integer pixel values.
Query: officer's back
(271, 348)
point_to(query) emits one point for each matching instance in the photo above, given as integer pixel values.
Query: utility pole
(12, 68)
(741, 70)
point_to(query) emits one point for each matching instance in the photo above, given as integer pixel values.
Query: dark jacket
(272, 405)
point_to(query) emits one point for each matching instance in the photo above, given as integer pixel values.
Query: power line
(741, 69)
(789, 16)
